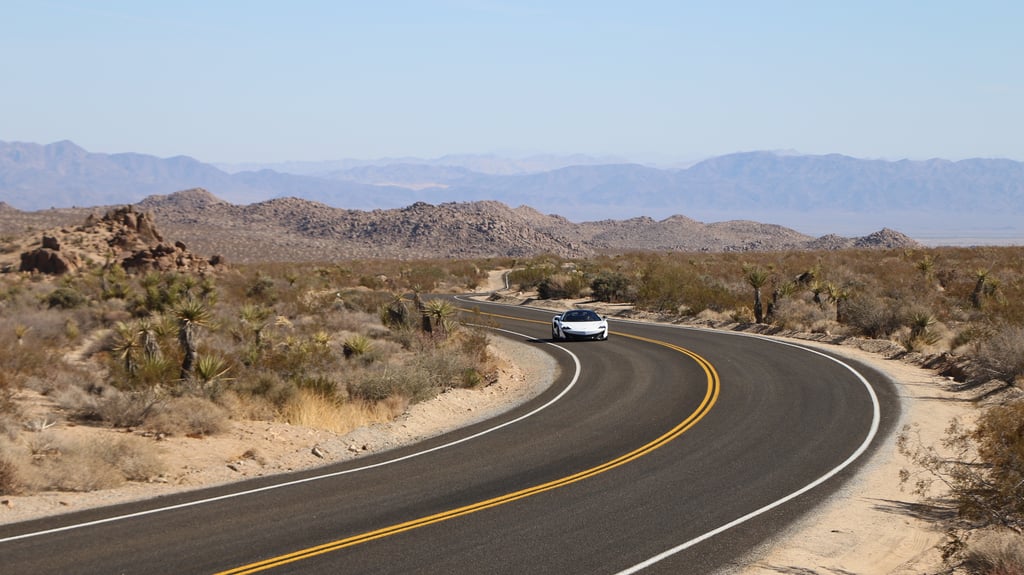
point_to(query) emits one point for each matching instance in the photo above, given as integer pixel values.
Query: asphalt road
(662, 450)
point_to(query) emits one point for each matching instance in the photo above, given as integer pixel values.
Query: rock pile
(121, 235)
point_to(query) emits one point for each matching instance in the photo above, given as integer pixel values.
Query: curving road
(662, 450)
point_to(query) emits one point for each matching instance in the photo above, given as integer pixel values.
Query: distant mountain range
(817, 195)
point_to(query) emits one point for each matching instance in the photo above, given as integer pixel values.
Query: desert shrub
(97, 463)
(9, 412)
(1003, 351)
(998, 552)
(126, 409)
(425, 276)
(612, 287)
(21, 354)
(798, 314)
(65, 298)
(561, 286)
(318, 383)
(870, 315)
(245, 406)
(384, 383)
(529, 277)
(262, 289)
(742, 314)
(983, 469)
(134, 457)
(191, 416)
(10, 482)
(473, 344)
(263, 388)
(363, 301)
(153, 371)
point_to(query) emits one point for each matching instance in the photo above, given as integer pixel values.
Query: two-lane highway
(663, 450)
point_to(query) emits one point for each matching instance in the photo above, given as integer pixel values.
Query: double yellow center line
(710, 397)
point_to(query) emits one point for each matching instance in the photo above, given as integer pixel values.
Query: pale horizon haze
(233, 81)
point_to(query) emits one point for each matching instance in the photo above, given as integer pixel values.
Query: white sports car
(579, 324)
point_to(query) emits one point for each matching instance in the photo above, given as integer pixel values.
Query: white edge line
(872, 432)
(558, 397)
(876, 418)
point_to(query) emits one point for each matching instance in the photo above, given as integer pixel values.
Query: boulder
(48, 261)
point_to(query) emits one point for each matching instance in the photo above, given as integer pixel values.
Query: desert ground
(870, 526)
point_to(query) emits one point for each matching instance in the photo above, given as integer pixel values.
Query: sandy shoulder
(872, 525)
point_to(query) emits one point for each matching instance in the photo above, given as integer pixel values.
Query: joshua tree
(256, 317)
(395, 314)
(757, 277)
(927, 267)
(985, 286)
(837, 295)
(424, 314)
(191, 315)
(127, 344)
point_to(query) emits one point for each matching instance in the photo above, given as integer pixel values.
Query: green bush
(65, 298)
(562, 286)
(612, 287)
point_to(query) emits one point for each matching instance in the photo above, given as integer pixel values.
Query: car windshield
(580, 315)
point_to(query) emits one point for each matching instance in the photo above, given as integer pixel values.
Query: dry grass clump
(311, 409)
(10, 482)
(100, 462)
(190, 416)
(1003, 351)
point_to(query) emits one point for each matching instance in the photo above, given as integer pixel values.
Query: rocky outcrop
(122, 235)
(163, 257)
(49, 261)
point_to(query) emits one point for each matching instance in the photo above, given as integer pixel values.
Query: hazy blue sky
(301, 80)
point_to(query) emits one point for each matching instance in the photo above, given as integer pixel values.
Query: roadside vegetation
(338, 345)
(332, 346)
(958, 309)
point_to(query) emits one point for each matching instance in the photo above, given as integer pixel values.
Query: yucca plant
(191, 315)
(210, 373)
(127, 344)
(441, 312)
(256, 317)
(356, 345)
(757, 277)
